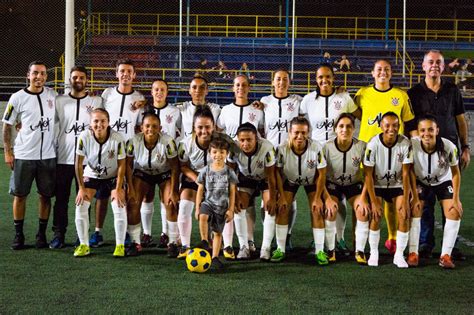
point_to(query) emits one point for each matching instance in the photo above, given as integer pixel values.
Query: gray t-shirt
(216, 185)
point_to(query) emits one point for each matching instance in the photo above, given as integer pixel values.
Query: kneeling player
(153, 159)
(387, 176)
(256, 164)
(344, 180)
(300, 162)
(435, 161)
(104, 150)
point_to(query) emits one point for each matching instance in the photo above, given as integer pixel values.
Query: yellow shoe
(82, 250)
(331, 256)
(183, 252)
(229, 253)
(119, 251)
(360, 258)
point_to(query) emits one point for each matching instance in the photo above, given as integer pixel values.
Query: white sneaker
(244, 253)
(400, 261)
(373, 259)
(265, 254)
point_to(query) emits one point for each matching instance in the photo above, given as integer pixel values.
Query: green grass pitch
(47, 281)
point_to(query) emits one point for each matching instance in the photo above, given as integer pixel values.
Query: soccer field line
(462, 239)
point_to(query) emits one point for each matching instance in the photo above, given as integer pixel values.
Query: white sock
(330, 234)
(120, 223)
(402, 240)
(451, 229)
(146, 212)
(240, 220)
(361, 235)
(268, 231)
(281, 232)
(251, 222)
(185, 221)
(414, 239)
(134, 231)
(164, 222)
(294, 211)
(341, 221)
(82, 222)
(173, 231)
(318, 235)
(98, 230)
(228, 234)
(374, 240)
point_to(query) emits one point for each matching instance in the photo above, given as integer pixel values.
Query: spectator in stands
(203, 68)
(344, 64)
(222, 67)
(327, 58)
(454, 66)
(462, 76)
(244, 70)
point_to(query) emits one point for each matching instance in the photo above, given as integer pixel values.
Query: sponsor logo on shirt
(77, 128)
(121, 125)
(42, 125)
(280, 125)
(343, 178)
(377, 120)
(328, 124)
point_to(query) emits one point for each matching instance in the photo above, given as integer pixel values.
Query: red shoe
(446, 262)
(412, 260)
(391, 246)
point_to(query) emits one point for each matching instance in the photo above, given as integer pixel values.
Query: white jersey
(152, 161)
(278, 114)
(35, 111)
(124, 117)
(187, 114)
(253, 165)
(232, 116)
(433, 168)
(102, 159)
(73, 116)
(301, 169)
(322, 112)
(343, 167)
(388, 161)
(170, 118)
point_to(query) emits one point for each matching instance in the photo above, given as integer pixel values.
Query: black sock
(18, 226)
(43, 224)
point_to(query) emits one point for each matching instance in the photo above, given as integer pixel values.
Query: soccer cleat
(446, 262)
(342, 249)
(82, 250)
(172, 250)
(146, 241)
(18, 242)
(57, 243)
(360, 258)
(203, 244)
(331, 255)
(119, 251)
(400, 261)
(183, 252)
(288, 244)
(41, 241)
(252, 247)
(412, 260)
(373, 259)
(217, 265)
(322, 258)
(244, 253)
(229, 253)
(278, 256)
(391, 246)
(265, 254)
(133, 250)
(164, 240)
(96, 240)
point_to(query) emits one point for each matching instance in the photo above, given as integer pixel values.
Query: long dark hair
(203, 111)
(439, 146)
(323, 65)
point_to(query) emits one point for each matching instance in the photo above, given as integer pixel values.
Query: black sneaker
(146, 241)
(456, 254)
(173, 250)
(133, 250)
(41, 241)
(18, 242)
(217, 265)
(164, 240)
(203, 245)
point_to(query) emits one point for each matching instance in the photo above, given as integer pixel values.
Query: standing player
(153, 159)
(255, 162)
(374, 101)
(104, 149)
(124, 105)
(33, 156)
(300, 162)
(170, 115)
(387, 177)
(73, 115)
(279, 109)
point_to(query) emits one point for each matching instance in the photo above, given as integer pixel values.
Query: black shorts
(25, 171)
(152, 180)
(348, 191)
(287, 186)
(388, 194)
(442, 191)
(102, 185)
(252, 186)
(216, 216)
(186, 182)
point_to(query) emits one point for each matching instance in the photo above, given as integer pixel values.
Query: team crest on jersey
(395, 101)
(259, 164)
(50, 104)
(400, 157)
(338, 105)
(311, 164)
(89, 109)
(356, 161)
(133, 108)
(291, 107)
(252, 117)
(111, 154)
(442, 162)
(160, 158)
(168, 119)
